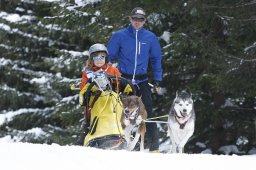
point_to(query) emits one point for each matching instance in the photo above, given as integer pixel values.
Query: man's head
(137, 18)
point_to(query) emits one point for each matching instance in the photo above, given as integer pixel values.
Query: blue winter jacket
(134, 49)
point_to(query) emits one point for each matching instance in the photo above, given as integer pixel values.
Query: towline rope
(151, 120)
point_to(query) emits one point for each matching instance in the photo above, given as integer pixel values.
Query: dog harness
(182, 125)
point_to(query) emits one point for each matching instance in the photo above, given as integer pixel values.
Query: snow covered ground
(26, 156)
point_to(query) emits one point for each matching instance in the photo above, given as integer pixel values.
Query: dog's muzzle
(131, 116)
(184, 113)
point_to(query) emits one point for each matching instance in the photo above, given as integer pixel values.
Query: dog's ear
(123, 96)
(190, 93)
(141, 105)
(177, 93)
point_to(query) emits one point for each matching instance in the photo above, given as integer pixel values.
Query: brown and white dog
(134, 113)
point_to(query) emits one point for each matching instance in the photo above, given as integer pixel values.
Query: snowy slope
(25, 156)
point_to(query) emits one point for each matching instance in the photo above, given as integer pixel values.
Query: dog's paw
(130, 147)
(180, 149)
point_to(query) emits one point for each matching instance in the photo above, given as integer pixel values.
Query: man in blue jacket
(134, 48)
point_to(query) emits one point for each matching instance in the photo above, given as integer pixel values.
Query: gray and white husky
(181, 121)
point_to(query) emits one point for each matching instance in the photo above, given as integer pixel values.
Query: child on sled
(97, 63)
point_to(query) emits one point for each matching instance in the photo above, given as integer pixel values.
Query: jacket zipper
(135, 58)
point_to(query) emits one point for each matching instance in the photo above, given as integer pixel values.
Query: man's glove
(157, 83)
(158, 87)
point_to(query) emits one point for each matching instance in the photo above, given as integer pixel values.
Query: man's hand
(159, 88)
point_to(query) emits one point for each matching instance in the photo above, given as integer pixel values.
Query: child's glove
(81, 95)
(101, 80)
(89, 75)
(72, 86)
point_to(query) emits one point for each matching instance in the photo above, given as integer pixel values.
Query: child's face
(99, 59)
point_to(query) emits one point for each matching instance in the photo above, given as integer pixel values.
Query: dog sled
(104, 111)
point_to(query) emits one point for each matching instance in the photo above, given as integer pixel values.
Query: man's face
(137, 23)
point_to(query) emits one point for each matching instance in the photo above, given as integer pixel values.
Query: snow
(8, 116)
(36, 131)
(41, 80)
(69, 99)
(5, 27)
(51, 0)
(26, 156)
(15, 17)
(229, 148)
(76, 53)
(85, 2)
(166, 36)
(4, 61)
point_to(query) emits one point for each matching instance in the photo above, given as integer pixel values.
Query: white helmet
(97, 48)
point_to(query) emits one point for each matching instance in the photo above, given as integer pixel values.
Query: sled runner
(103, 111)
